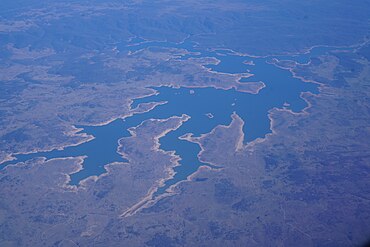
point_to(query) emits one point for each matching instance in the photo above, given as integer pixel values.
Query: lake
(282, 90)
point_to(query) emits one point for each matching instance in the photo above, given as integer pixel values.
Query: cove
(282, 90)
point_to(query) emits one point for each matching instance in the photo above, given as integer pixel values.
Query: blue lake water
(314, 52)
(281, 88)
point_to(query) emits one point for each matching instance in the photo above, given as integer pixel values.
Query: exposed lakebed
(281, 90)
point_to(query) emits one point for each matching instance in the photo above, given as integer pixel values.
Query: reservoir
(282, 90)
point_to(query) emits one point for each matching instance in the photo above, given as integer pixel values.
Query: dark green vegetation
(64, 64)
